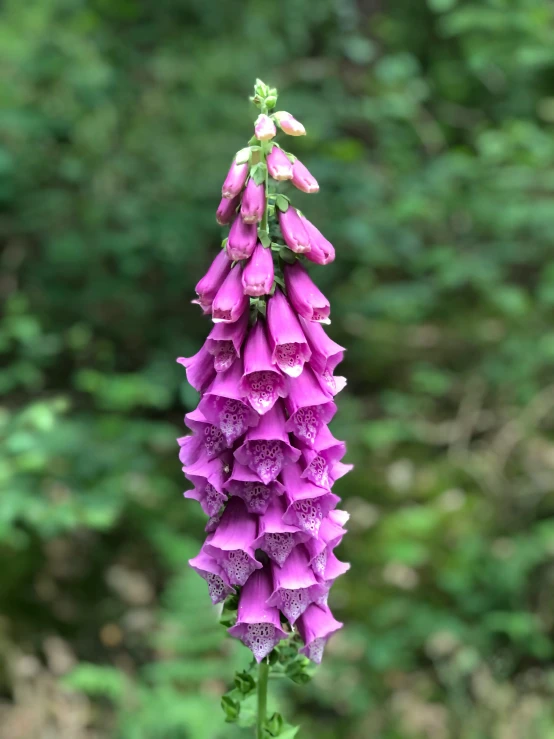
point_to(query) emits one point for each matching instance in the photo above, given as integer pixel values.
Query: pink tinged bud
(264, 128)
(231, 543)
(306, 299)
(246, 484)
(316, 625)
(258, 274)
(253, 202)
(207, 287)
(208, 479)
(279, 165)
(289, 347)
(262, 383)
(295, 235)
(226, 210)
(321, 251)
(230, 302)
(289, 124)
(210, 570)
(223, 408)
(199, 369)
(234, 182)
(308, 407)
(275, 537)
(294, 585)
(266, 449)
(242, 240)
(225, 340)
(303, 179)
(258, 625)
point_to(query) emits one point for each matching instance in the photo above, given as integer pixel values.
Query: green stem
(263, 675)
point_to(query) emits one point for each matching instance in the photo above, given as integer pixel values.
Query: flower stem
(263, 675)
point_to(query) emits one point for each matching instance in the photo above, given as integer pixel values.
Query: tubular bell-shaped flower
(290, 349)
(260, 455)
(258, 625)
(262, 383)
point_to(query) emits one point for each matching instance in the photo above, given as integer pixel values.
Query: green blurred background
(431, 133)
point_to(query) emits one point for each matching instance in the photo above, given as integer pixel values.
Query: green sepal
(243, 155)
(258, 173)
(244, 683)
(279, 281)
(282, 202)
(231, 709)
(264, 238)
(290, 157)
(224, 243)
(300, 670)
(287, 255)
(274, 724)
(288, 731)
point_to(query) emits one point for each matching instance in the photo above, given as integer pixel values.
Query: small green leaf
(287, 255)
(244, 683)
(282, 203)
(288, 731)
(231, 709)
(258, 173)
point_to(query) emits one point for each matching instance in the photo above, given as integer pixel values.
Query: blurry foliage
(430, 131)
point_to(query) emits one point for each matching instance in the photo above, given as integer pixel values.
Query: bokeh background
(431, 133)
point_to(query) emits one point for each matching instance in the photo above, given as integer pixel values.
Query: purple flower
(199, 368)
(266, 449)
(303, 179)
(305, 298)
(253, 202)
(308, 504)
(226, 210)
(326, 353)
(309, 408)
(207, 288)
(262, 383)
(258, 275)
(279, 165)
(225, 340)
(289, 347)
(213, 574)
(315, 626)
(329, 537)
(295, 235)
(322, 462)
(275, 537)
(294, 585)
(222, 406)
(245, 484)
(321, 251)
(289, 124)
(242, 239)
(231, 543)
(264, 128)
(208, 478)
(234, 182)
(206, 442)
(230, 302)
(258, 625)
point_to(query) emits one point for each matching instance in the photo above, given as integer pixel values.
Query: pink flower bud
(207, 287)
(242, 239)
(258, 274)
(279, 166)
(303, 179)
(234, 182)
(230, 302)
(264, 128)
(289, 124)
(306, 299)
(294, 233)
(226, 211)
(321, 251)
(253, 202)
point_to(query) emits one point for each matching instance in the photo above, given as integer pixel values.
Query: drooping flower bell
(260, 456)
